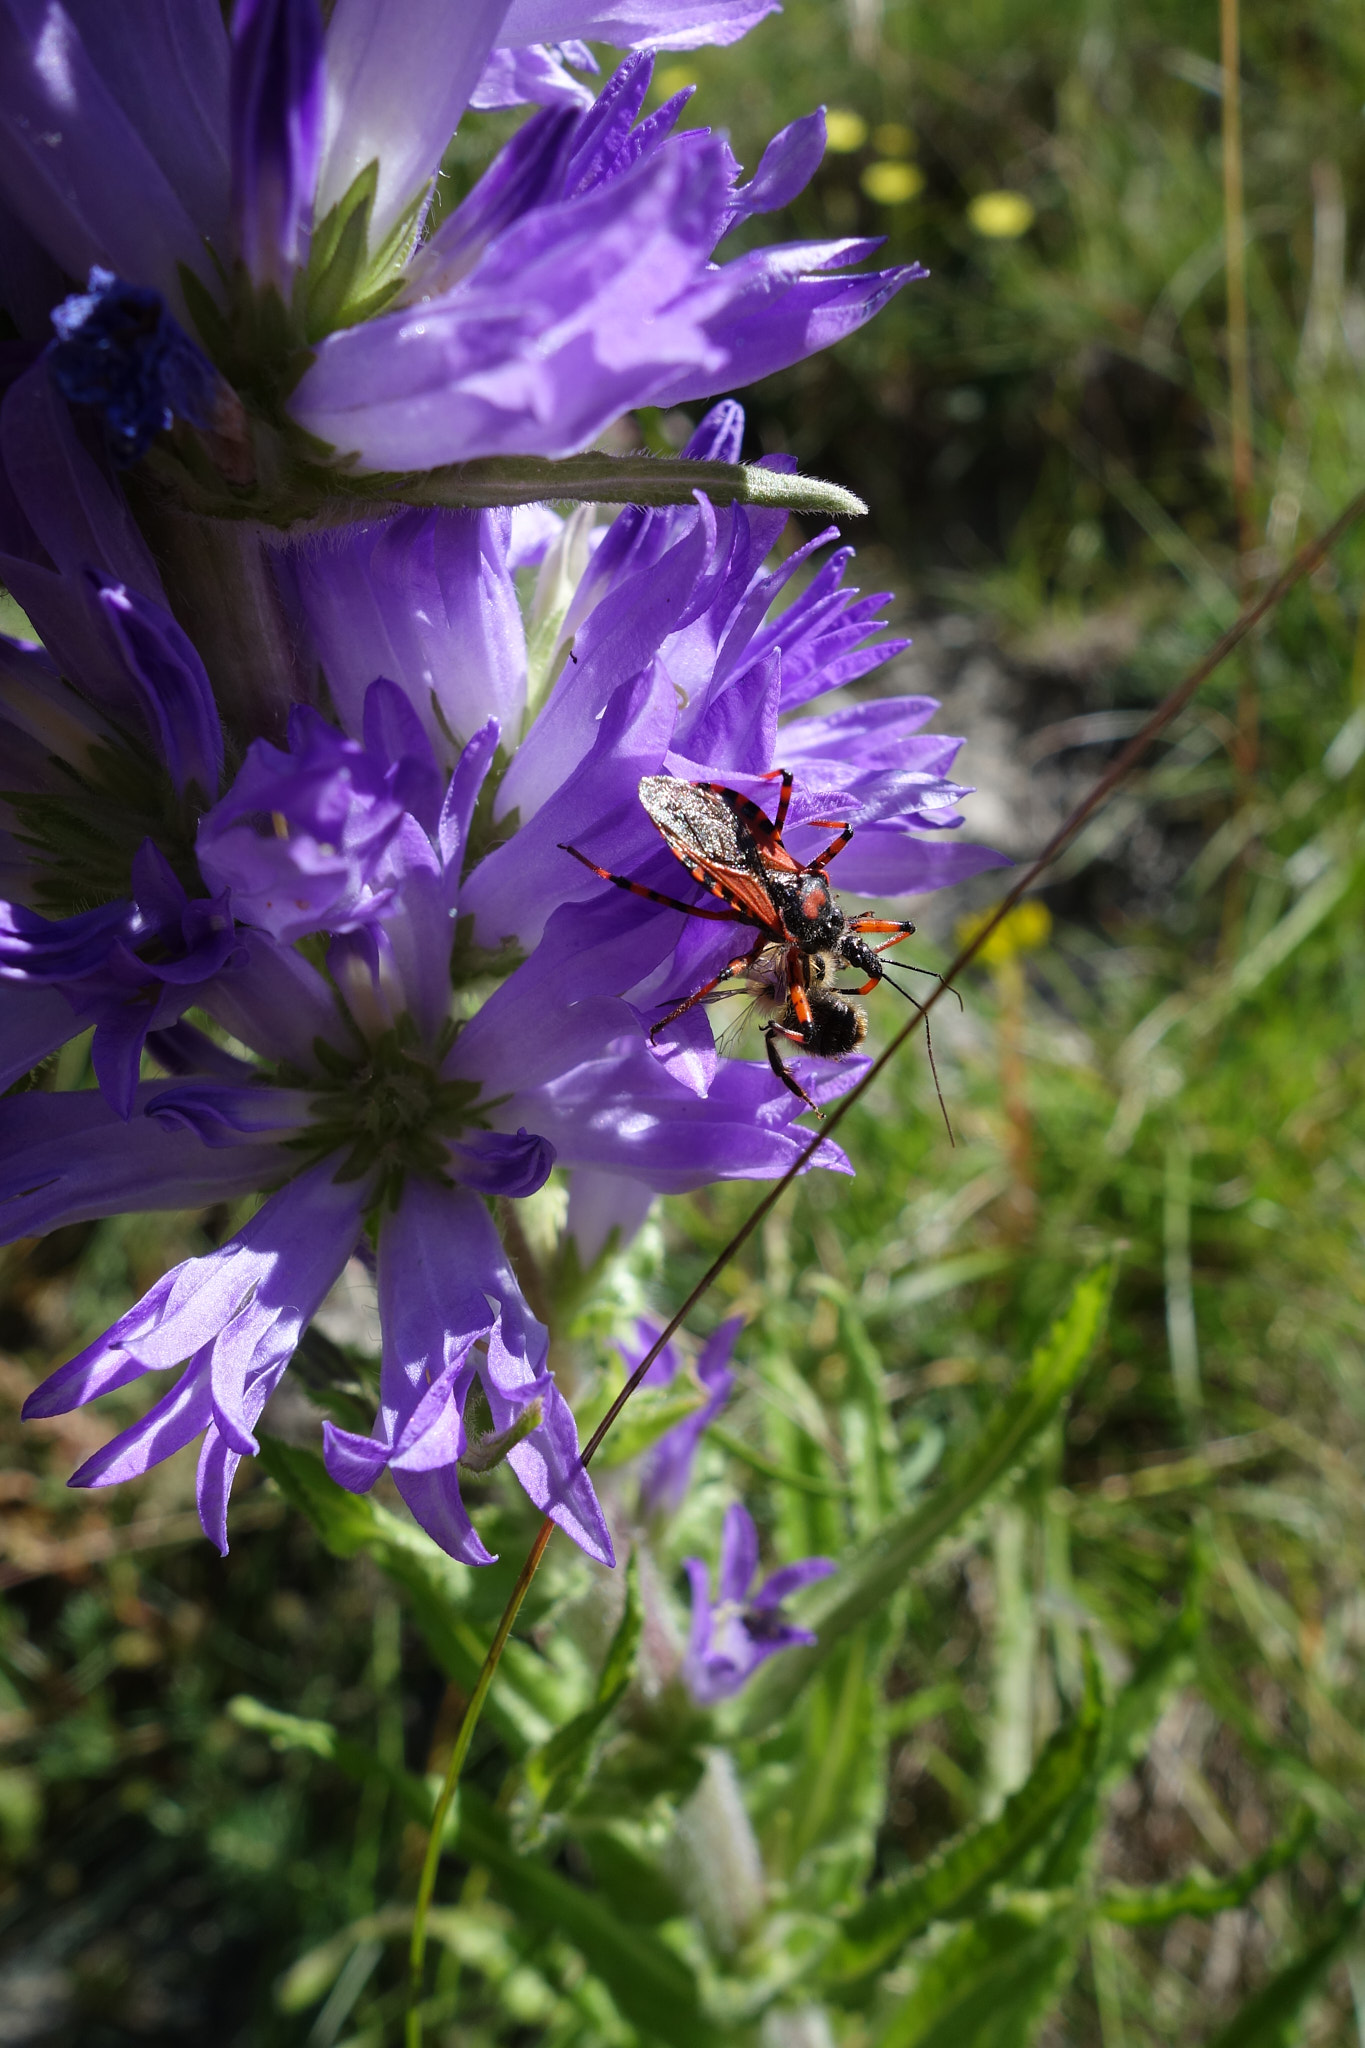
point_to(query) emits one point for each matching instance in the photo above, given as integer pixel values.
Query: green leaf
(879, 1568)
(990, 1984)
(654, 1988)
(1270, 2019)
(1198, 1893)
(345, 1521)
(555, 1772)
(638, 1890)
(645, 1421)
(437, 1588)
(596, 479)
(1169, 1663)
(321, 1739)
(959, 1875)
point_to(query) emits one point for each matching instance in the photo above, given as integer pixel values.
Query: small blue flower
(118, 348)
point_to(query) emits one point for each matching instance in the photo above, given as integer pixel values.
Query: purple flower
(666, 1471)
(577, 279)
(299, 837)
(391, 1111)
(732, 1635)
(118, 349)
(437, 1005)
(109, 768)
(680, 664)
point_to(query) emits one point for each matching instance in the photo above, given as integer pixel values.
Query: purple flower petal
(223, 1115)
(655, 24)
(515, 78)
(399, 76)
(70, 1157)
(790, 1579)
(277, 108)
(174, 1421)
(34, 1021)
(738, 1554)
(73, 165)
(426, 598)
(667, 1470)
(167, 68)
(445, 1283)
(786, 167)
(277, 1003)
(249, 1300)
(339, 811)
(499, 1163)
(171, 685)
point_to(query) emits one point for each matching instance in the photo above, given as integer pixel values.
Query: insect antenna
(906, 967)
(928, 1041)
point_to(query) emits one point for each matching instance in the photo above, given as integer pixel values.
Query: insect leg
(783, 1073)
(784, 798)
(795, 969)
(865, 922)
(822, 860)
(650, 895)
(735, 966)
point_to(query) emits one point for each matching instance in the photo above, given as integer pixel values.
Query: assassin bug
(731, 847)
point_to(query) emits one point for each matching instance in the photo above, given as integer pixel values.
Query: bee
(733, 849)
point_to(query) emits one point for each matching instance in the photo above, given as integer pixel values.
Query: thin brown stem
(1234, 229)
(1166, 712)
(417, 1949)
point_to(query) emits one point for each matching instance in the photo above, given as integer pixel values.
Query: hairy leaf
(1270, 2019)
(652, 1985)
(1005, 1439)
(1151, 1906)
(321, 1739)
(990, 1983)
(958, 1876)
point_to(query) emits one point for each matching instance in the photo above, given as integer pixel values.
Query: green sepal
(299, 487)
(599, 479)
(346, 283)
(490, 1451)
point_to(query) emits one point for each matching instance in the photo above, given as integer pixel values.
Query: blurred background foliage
(1078, 1403)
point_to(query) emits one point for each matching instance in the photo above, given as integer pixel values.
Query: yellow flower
(891, 184)
(1001, 215)
(671, 78)
(1022, 930)
(845, 131)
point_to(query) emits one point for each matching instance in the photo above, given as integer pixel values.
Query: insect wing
(701, 830)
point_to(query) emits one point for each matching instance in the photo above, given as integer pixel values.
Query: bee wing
(732, 1037)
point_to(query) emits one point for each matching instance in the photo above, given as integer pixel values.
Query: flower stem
(1169, 709)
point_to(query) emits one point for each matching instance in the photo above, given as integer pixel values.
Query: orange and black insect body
(733, 849)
